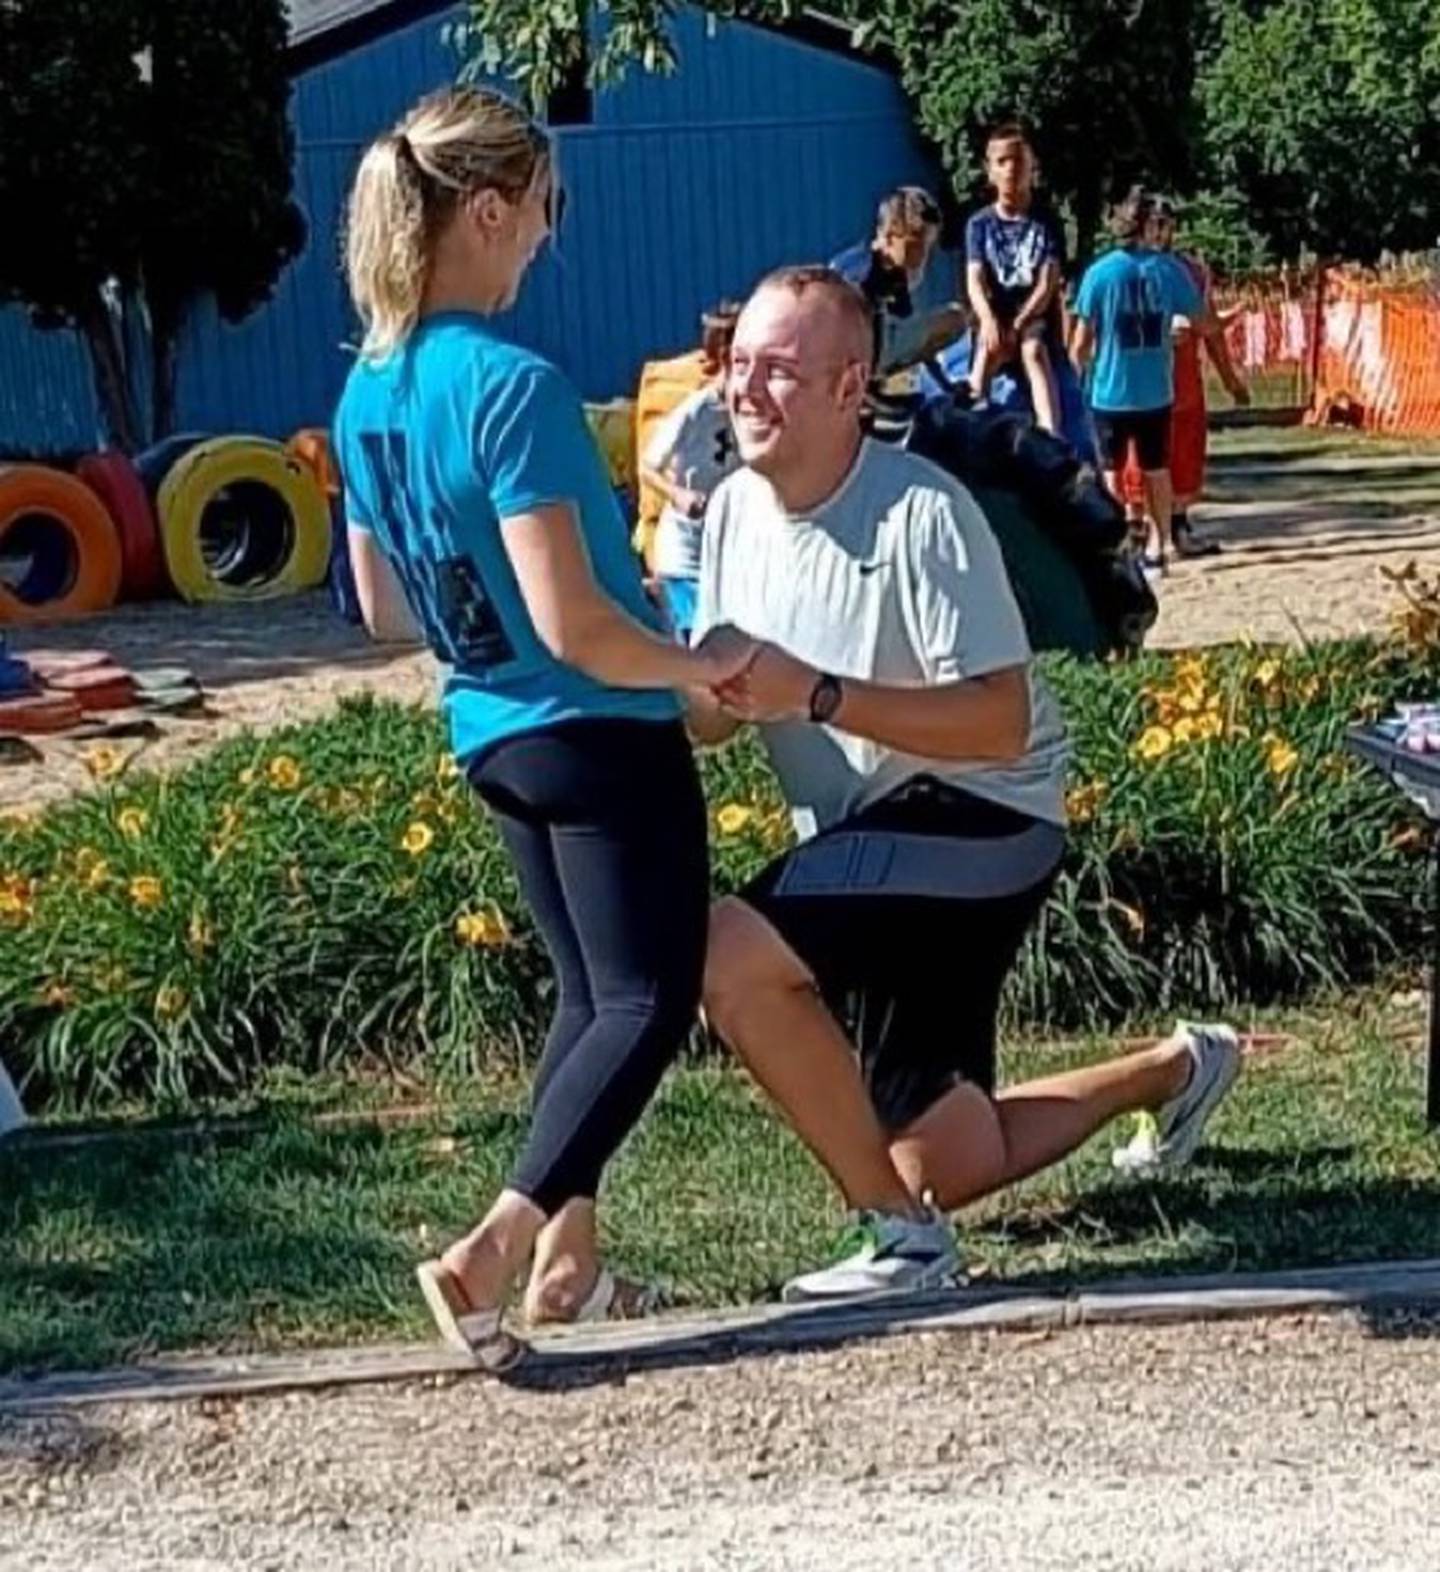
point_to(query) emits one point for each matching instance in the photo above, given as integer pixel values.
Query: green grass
(1290, 444)
(287, 1232)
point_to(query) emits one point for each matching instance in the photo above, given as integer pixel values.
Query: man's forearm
(980, 718)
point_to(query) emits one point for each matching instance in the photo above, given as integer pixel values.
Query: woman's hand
(724, 654)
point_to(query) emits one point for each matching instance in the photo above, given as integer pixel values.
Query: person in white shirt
(689, 453)
(859, 977)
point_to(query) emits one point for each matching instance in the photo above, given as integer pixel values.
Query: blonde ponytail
(409, 183)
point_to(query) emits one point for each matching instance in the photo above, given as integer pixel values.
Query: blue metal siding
(760, 151)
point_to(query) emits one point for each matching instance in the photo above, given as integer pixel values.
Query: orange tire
(59, 543)
(312, 448)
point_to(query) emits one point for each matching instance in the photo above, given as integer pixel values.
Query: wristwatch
(825, 698)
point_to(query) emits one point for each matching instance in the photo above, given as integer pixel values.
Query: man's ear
(851, 389)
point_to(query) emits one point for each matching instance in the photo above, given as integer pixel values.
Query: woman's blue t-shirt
(436, 444)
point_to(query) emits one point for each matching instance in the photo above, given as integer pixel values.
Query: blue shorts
(682, 600)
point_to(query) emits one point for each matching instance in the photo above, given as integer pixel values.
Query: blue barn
(764, 148)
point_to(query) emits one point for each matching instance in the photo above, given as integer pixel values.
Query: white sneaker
(883, 1252)
(1169, 1137)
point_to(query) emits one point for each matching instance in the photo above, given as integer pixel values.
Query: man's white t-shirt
(695, 446)
(896, 579)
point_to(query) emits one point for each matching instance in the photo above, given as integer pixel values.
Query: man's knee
(744, 956)
(1034, 354)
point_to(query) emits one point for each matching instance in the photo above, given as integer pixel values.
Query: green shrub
(331, 893)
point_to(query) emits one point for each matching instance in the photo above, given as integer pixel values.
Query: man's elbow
(1008, 736)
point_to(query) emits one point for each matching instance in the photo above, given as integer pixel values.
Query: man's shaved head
(799, 365)
(844, 315)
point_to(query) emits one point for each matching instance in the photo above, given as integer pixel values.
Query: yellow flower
(486, 928)
(170, 1002)
(1187, 728)
(17, 899)
(1267, 673)
(1082, 801)
(131, 822)
(146, 892)
(1280, 757)
(284, 773)
(1208, 726)
(103, 763)
(1155, 742)
(246, 777)
(446, 769)
(200, 935)
(1310, 689)
(91, 869)
(733, 818)
(417, 839)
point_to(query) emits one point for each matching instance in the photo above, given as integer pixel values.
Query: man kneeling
(859, 976)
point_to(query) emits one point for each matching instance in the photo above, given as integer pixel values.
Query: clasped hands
(752, 680)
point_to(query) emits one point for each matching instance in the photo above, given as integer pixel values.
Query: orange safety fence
(1349, 347)
(1379, 360)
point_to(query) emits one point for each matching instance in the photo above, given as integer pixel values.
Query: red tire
(59, 542)
(116, 481)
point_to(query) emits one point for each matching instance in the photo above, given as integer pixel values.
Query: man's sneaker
(883, 1252)
(1215, 1057)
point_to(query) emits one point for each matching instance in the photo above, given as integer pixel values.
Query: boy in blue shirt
(1124, 310)
(1012, 275)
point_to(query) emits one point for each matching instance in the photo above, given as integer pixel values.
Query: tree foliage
(1325, 116)
(1296, 123)
(145, 159)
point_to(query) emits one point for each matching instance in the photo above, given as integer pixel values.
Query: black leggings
(606, 823)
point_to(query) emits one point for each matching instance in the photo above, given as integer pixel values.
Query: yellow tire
(242, 520)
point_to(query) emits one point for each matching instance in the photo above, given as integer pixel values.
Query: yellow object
(663, 384)
(251, 567)
(613, 427)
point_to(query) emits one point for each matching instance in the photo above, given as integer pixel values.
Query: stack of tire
(212, 518)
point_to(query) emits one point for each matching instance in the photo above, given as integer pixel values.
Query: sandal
(462, 1327)
(610, 1299)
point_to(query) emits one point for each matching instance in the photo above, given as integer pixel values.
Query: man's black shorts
(1148, 429)
(915, 980)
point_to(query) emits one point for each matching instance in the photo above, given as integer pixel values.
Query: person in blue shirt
(1014, 256)
(482, 521)
(1123, 313)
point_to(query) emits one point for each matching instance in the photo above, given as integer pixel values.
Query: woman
(482, 520)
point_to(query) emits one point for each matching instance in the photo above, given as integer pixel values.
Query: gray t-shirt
(897, 579)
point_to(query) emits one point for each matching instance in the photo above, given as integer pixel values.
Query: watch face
(825, 700)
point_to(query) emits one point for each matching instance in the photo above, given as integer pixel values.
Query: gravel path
(1309, 1443)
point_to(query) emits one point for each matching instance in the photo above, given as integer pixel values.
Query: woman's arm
(387, 614)
(580, 624)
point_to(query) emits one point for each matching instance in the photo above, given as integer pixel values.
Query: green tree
(1106, 86)
(1323, 116)
(145, 157)
(73, 104)
(220, 220)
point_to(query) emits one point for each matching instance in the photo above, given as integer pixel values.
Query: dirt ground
(1306, 535)
(1307, 1444)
